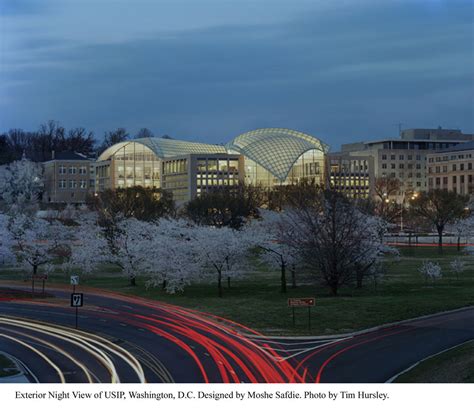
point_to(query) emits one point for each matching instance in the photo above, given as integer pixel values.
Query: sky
(208, 70)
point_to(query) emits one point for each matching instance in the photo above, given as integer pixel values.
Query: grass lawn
(7, 367)
(453, 366)
(256, 301)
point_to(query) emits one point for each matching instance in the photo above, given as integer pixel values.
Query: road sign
(74, 280)
(77, 299)
(39, 277)
(301, 302)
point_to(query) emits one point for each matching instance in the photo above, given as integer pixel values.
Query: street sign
(301, 302)
(77, 299)
(74, 280)
(39, 277)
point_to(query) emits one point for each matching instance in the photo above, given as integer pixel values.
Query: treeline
(51, 136)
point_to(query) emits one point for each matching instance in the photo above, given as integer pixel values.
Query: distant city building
(452, 169)
(68, 178)
(404, 158)
(352, 175)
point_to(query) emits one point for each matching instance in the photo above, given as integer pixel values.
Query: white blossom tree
(88, 247)
(430, 271)
(462, 228)
(457, 267)
(21, 186)
(131, 248)
(222, 250)
(7, 255)
(36, 241)
(268, 233)
(176, 255)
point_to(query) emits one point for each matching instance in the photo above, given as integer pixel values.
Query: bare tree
(439, 207)
(335, 239)
(144, 133)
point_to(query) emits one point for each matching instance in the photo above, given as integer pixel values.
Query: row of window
(452, 157)
(402, 157)
(454, 168)
(73, 184)
(63, 169)
(454, 180)
(401, 166)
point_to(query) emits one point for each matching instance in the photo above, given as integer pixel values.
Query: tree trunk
(133, 281)
(219, 283)
(35, 269)
(440, 239)
(293, 276)
(228, 282)
(459, 243)
(283, 278)
(359, 278)
(163, 285)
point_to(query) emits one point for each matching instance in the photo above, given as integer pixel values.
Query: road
(127, 339)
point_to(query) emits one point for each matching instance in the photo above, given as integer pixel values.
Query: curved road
(128, 339)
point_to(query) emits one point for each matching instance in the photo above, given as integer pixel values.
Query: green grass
(256, 301)
(453, 366)
(7, 367)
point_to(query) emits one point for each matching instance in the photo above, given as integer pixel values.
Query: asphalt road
(127, 339)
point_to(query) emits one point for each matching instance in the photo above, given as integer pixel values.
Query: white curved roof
(165, 148)
(275, 149)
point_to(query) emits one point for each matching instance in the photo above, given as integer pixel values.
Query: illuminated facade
(265, 157)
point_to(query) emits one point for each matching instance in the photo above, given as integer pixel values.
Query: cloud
(338, 73)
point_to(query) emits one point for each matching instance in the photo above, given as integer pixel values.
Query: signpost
(77, 300)
(302, 302)
(38, 277)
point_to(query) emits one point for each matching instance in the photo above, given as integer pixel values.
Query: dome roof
(275, 149)
(165, 148)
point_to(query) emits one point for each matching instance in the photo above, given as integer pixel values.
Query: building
(68, 178)
(352, 175)
(452, 169)
(265, 157)
(191, 175)
(404, 158)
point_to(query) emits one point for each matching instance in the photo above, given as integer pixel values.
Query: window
(469, 166)
(445, 180)
(418, 184)
(392, 157)
(384, 166)
(454, 167)
(462, 179)
(418, 166)
(62, 184)
(83, 184)
(418, 157)
(72, 184)
(72, 170)
(455, 181)
(82, 170)
(461, 167)
(62, 169)
(392, 166)
(401, 157)
(410, 157)
(401, 166)
(438, 181)
(384, 157)
(445, 168)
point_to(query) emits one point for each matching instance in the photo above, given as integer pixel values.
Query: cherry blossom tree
(7, 255)
(21, 186)
(457, 267)
(176, 255)
(36, 241)
(269, 233)
(223, 250)
(88, 249)
(430, 270)
(462, 228)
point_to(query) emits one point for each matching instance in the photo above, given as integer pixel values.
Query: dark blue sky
(211, 69)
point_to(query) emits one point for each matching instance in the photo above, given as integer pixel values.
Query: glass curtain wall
(136, 165)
